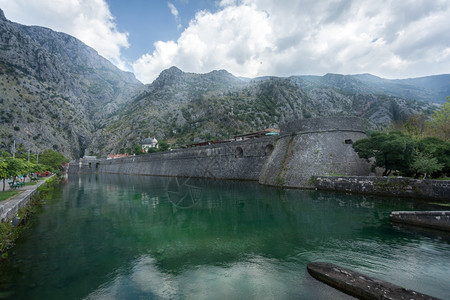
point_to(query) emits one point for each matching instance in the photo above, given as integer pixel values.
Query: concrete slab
(359, 285)
(430, 219)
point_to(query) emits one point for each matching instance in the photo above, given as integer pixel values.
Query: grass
(336, 175)
(8, 194)
(31, 183)
(440, 204)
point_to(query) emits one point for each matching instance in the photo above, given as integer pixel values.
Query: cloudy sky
(387, 38)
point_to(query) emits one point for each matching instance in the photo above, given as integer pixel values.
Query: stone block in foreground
(359, 285)
(430, 219)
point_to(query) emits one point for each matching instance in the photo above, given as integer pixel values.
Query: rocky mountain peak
(2, 15)
(222, 72)
(168, 77)
(224, 77)
(173, 70)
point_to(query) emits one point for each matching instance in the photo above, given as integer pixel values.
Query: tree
(415, 126)
(137, 150)
(426, 164)
(3, 170)
(14, 167)
(152, 150)
(391, 151)
(39, 168)
(164, 146)
(438, 149)
(440, 124)
(54, 160)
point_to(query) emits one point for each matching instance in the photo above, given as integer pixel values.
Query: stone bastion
(309, 147)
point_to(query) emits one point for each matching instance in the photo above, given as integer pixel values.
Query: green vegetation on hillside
(422, 148)
(419, 125)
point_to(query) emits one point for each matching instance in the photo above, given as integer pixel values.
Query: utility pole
(14, 149)
(29, 155)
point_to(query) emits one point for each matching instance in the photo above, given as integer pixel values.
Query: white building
(149, 143)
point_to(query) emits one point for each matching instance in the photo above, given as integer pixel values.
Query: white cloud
(251, 38)
(235, 38)
(88, 20)
(173, 10)
(265, 37)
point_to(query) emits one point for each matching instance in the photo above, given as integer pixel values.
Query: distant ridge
(430, 88)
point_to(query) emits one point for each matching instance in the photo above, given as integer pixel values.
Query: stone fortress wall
(305, 148)
(234, 160)
(310, 147)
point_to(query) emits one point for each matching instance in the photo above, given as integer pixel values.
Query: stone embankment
(385, 186)
(359, 285)
(430, 219)
(10, 207)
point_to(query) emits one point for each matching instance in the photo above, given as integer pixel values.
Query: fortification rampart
(233, 160)
(305, 148)
(87, 164)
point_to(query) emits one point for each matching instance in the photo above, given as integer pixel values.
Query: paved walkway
(10, 207)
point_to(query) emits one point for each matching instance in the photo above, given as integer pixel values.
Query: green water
(136, 237)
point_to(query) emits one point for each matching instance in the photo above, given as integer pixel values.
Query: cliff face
(54, 89)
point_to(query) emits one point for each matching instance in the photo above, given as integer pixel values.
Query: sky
(251, 38)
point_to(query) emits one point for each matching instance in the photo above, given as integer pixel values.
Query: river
(142, 237)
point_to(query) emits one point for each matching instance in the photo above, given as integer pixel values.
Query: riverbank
(10, 207)
(17, 209)
(385, 186)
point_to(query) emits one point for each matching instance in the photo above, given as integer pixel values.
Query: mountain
(54, 89)
(429, 89)
(58, 93)
(186, 108)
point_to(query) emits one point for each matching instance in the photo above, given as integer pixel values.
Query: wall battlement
(352, 124)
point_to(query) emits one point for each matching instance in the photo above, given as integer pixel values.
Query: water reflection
(131, 237)
(255, 277)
